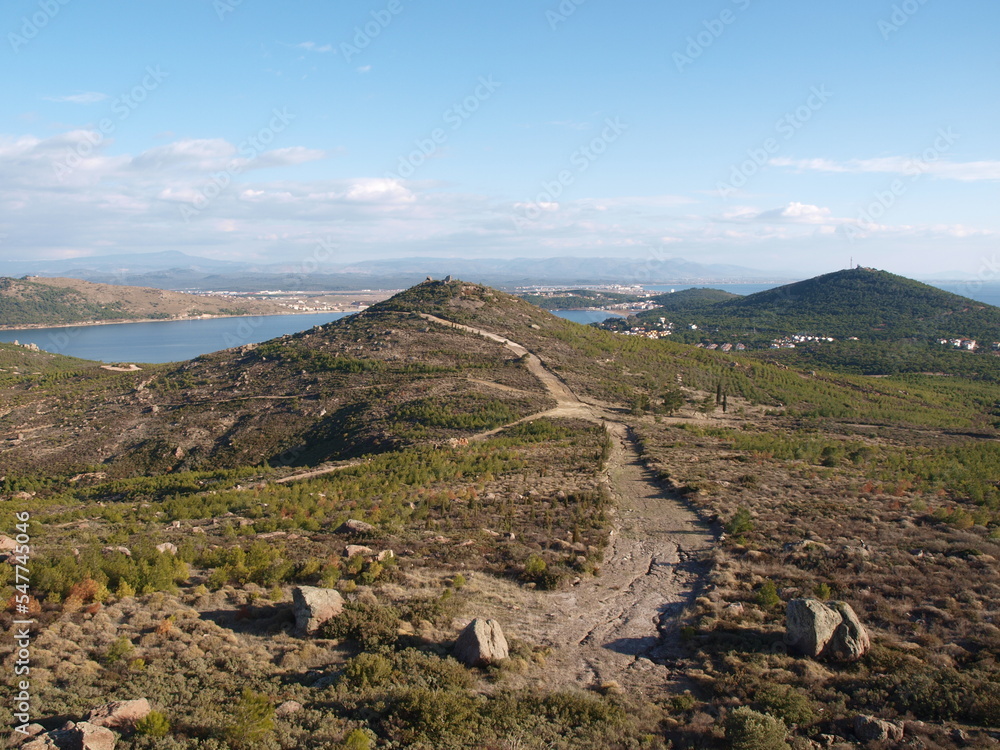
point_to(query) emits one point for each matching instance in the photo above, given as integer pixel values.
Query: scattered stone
(44, 742)
(831, 630)
(119, 714)
(7, 544)
(870, 729)
(82, 736)
(167, 548)
(288, 708)
(112, 550)
(386, 554)
(314, 606)
(356, 549)
(353, 526)
(481, 643)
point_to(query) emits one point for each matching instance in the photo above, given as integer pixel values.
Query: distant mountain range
(177, 270)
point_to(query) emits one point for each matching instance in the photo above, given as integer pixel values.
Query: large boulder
(870, 729)
(119, 714)
(481, 643)
(851, 640)
(354, 526)
(830, 630)
(314, 606)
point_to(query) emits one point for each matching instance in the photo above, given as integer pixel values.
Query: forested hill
(869, 304)
(44, 301)
(693, 299)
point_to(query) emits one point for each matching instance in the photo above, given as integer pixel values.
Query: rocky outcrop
(481, 643)
(119, 714)
(829, 630)
(82, 736)
(870, 729)
(314, 606)
(357, 549)
(167, 547)
(353, 526)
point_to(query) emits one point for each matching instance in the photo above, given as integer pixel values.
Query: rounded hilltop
(469, 302)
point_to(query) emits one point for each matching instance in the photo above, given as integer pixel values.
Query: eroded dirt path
(621, 625)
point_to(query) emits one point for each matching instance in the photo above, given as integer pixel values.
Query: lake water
(170, 341)
(584, 317)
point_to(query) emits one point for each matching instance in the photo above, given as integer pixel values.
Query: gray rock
(481, 643)
(356, 549)
(119, 714)
(167, 547)
(353, 526)
(43, 742)
(830, 630)
(870, 729)
(7, 544)
(82, 736)
(288, 708)
(850, 641)
(809, 626)
(314, 606)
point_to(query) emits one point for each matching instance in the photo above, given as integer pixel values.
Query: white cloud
(87, 97)
(123, 203)
(365, 69)
(912, 166)
(314, 47)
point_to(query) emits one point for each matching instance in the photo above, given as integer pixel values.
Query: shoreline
(84, 324)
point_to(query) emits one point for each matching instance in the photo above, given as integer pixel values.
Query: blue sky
(783, 136)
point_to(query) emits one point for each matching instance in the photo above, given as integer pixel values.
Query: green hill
(693, 299)
(871, 305)
(882, 324)
(51, 302)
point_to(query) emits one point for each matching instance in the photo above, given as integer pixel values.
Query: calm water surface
(170, 341)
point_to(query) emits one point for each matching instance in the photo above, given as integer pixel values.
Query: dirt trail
(621, 625)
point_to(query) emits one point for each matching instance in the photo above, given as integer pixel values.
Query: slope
(387, 378)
